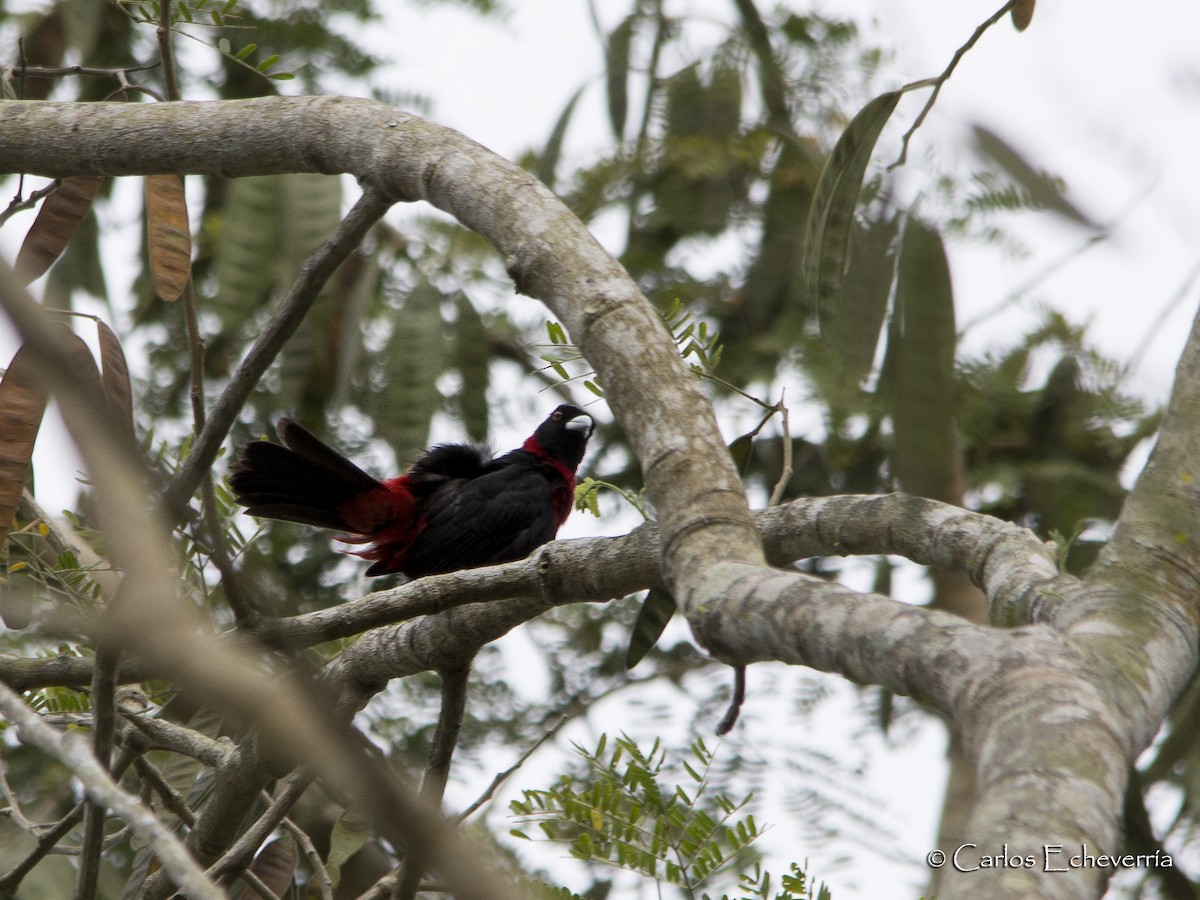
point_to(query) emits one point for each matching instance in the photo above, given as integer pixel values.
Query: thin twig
(171, 798)
(239, 856)
(219, 552)
(126, 86)
(13, 810)
(104, 721)
(63, 71)
(170, 77)
(735, 703)
(320, 874)
(16, 205)
(945, 76)
(1107, 230)
(46, 842)
(195, 356)
(381, 888)
(245, 615)
(502, 777)
(166, 735)
(785, 474)
(261, 891)
(1181, 296)
(437, 769)
(73, 752)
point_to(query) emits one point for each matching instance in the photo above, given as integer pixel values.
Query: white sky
(1091, 91)
(1106, 95)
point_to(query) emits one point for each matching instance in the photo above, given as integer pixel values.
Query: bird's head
(563, 436)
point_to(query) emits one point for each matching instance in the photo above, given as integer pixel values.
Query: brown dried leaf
(169, 235)
(274, 866)
(1022, 13)
(115, 375)
(56, 222)
(82, 362)
(22, 403)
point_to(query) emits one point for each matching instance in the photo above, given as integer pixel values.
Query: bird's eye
(557, 415)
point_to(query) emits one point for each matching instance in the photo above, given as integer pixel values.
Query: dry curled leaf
(274, 866)
(22, 403)
(56, 222)
(1022, 13)
(168, 235)
(114, 376)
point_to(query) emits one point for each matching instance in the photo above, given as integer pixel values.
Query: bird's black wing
(500, 516)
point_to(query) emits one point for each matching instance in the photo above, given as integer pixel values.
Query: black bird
(455, 508)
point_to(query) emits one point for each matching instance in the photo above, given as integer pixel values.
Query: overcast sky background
(1105, 97)
(1100, 93)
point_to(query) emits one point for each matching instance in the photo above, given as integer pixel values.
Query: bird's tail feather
(303, 481)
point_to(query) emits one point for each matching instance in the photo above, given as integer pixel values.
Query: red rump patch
(386, 517)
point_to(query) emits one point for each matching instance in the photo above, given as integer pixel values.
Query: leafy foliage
(627, 813)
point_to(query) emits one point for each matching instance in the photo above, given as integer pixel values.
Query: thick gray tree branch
(1052, 713)
(1014, 569)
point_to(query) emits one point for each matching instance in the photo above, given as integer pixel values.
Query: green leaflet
(854, 327)
(616, 71)
(652, 619)
(310, 210)
(350, 833)
(742, 449)
(919, 372)
(547, 162)
(247, 252)
(414, 360)
(471, 360)
(831, 217)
